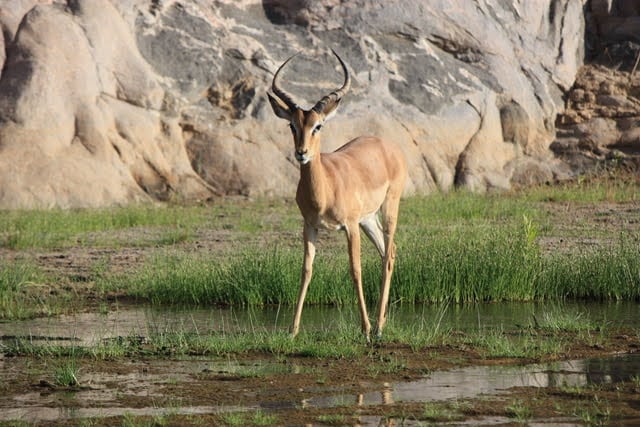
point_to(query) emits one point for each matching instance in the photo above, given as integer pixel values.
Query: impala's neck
(312, 188)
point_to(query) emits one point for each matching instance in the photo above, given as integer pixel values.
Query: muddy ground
(276, 389)
(284, 395)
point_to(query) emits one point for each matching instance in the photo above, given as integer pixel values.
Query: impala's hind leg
(353, 241)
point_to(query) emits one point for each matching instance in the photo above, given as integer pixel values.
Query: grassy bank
(458, 266)
(455, 247)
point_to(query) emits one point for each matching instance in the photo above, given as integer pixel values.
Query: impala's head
(306, 124)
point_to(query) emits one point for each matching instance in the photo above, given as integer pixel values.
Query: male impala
(343, 190)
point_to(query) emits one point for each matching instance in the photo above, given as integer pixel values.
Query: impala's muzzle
(303, 157)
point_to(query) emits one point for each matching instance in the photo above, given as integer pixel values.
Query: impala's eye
(317, 128)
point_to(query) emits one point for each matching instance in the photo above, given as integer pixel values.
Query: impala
(357, 186)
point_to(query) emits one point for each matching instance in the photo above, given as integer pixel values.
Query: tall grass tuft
(66, 375)
(251, 278)
(461, 265)
(611, 273)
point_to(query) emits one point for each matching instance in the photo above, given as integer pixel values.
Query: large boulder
(82, 116)
(109, 102)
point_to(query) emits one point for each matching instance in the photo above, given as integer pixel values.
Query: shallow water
(463, 383)
(89, 328)
(142, 381)
(474, 381)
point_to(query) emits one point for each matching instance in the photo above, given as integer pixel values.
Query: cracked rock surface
(107, 102)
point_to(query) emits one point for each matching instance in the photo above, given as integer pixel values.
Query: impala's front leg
(309, 234)
(353, 240)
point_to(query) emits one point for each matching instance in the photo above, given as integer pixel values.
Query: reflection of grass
(428, 331)
(561, 318)
(338, 340)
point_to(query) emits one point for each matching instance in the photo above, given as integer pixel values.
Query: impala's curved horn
(335, 96)
(280, 93)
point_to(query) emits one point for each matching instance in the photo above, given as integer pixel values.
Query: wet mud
(389, 385)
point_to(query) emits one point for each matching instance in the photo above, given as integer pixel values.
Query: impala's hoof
(367, 335)
(378, 334)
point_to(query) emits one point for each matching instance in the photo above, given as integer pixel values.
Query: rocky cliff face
(601, 123)
(108, 102)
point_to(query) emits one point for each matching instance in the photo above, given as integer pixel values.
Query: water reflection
(471, 382)
(474, 381)
(463, 383)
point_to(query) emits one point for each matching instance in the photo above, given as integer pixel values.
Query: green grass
(464, 265)
(519, 410)
(452, 248)
(151, 224)
(557, 318)
(342, 340)
(66, 374)
(338, 340)
(498, 343)
(57, 228)
(19, 293)
(596, 412)
(129, 420)
(52, 228)
(609, 273)
(256, 418)
(610, 187)
(443, 412)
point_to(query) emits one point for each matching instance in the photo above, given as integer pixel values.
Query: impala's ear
(279, 107)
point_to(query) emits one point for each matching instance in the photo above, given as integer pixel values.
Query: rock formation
(601, 123)
(111, 102)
